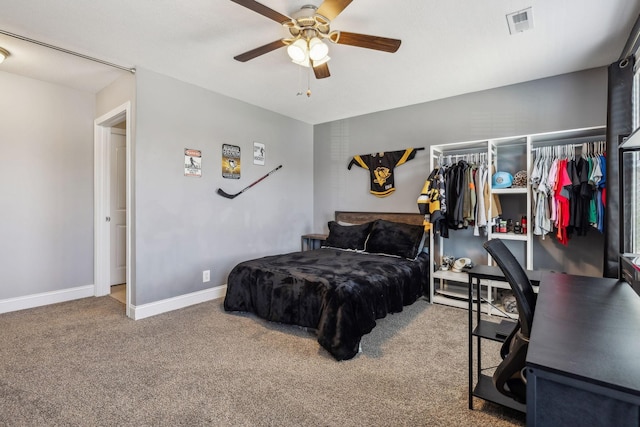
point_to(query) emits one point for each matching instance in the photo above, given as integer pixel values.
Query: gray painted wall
(182, 226)
(568, 101)
(46, 182)
(111, 97)
(116, 94)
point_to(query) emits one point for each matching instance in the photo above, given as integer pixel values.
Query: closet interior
(476, 210)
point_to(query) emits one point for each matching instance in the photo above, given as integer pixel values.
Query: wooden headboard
(362, 217)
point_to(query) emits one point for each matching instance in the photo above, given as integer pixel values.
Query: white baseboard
(158, 307)
(45, 298)
(137, 312)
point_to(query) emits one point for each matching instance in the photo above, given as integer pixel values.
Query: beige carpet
(83, 363)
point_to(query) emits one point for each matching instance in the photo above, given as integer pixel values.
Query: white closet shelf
(463, 279)
(509, 236)
(512, 190)
(451, 275)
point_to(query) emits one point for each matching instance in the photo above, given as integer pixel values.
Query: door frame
(102, 238)
(115, 131)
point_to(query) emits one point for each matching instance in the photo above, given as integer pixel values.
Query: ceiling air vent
(520, 21)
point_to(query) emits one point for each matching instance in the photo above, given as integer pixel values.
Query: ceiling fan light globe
(317, 49)
(305, 62)
(297, 50)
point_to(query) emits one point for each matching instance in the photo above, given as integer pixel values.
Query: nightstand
(312, 241)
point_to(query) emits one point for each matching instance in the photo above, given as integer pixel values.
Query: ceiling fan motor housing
(306, 23)
(307, 30)
(304, 16)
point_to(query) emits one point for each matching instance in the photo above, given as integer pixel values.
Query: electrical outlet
(206, 275)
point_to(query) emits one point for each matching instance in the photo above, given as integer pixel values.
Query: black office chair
(509, 376)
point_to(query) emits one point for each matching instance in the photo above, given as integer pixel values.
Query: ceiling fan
(308, 28)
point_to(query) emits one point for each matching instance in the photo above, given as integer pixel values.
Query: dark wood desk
(481, 385)
(583, 362)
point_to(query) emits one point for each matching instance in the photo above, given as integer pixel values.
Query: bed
(371, 264)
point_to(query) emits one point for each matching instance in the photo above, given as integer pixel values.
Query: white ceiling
(448, 48)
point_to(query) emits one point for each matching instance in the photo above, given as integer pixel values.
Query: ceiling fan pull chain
(300, 71)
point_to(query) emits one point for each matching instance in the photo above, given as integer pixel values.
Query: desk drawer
(630, 273)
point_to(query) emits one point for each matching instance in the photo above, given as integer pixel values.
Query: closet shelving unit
(510, 154)
(446, 285)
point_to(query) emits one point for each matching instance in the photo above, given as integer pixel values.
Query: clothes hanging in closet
(456, 196)
(568, 194)
(432, 204)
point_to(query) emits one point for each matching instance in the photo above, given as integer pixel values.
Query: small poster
(192, 162)
(258, 153)
(230, 161)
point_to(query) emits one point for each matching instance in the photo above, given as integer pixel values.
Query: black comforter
(338, 293)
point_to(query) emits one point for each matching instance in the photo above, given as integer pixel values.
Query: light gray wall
(113, 96)
(46, 182)
(46, 173)
(182, 226)
(117, 93)
(568, 101)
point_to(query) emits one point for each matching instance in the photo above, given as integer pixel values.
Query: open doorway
(112, 251)
(118, 212)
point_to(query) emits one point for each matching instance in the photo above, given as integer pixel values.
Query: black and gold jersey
(381, 166)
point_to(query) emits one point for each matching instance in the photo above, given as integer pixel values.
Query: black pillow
(347, 236)
(394, 238)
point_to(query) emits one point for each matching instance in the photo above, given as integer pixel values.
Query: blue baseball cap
(502, 180)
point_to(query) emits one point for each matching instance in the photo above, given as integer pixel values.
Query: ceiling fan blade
(370, 42)
(332, 8)
(321, 71)
(254, 53)
(263, 10)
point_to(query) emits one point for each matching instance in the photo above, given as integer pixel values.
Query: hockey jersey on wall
(381, 166)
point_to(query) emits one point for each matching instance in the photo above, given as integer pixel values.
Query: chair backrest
(518, 280)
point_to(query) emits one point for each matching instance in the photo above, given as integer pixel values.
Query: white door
(118, 206)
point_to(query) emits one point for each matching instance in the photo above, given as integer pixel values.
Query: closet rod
(70, 52)
(577, 145)
(569, 141)
(462, 151)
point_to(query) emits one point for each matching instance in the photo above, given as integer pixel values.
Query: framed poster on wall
(258, 153)
(192, 162)
(230, 161)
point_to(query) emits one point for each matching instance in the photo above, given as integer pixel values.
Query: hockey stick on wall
(233, 196)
